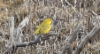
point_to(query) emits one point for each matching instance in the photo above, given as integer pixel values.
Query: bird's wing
(45, 29)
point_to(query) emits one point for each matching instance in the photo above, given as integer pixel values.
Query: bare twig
(23, 44)
(90, 36)
(71, 39)
(15, 37)
(11, 49)
(19, 29)
(11, 26)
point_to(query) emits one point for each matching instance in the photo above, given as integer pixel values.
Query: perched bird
(44, 27)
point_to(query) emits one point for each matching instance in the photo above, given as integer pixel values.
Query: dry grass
(67, 17)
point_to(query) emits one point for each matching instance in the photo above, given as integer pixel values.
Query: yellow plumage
(44, 27)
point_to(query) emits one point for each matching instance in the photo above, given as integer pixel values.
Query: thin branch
(11, 49)
(71, 39)
(19, 29)
(37, 40)
(90, 36)
(11, 27)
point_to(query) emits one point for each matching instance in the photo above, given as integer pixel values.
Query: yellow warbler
(44, 27)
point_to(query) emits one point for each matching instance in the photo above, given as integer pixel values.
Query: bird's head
(48, 20)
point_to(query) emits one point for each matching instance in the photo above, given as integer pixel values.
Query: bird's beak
(54, 22)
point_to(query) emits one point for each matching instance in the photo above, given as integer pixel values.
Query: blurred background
(66, 13)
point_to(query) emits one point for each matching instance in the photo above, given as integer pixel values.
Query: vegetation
(76, 28)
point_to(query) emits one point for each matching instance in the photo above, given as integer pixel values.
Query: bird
(44, 27)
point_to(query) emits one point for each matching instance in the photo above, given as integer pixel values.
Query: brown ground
(67, 17)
